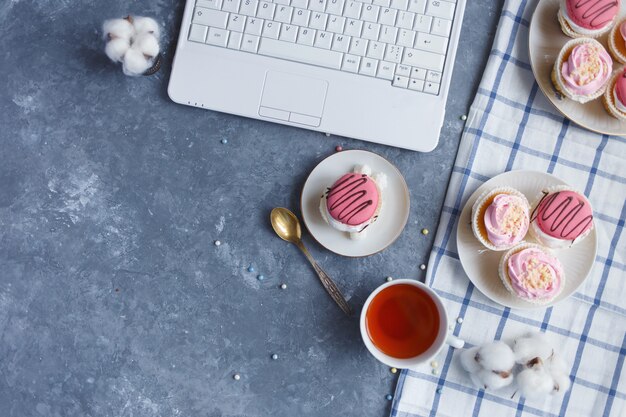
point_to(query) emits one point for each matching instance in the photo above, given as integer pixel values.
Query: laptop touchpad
(293, 98)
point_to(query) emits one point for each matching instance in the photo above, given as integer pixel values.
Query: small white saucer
(393, 215)
(481, 264)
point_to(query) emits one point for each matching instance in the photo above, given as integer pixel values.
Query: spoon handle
(327, 282)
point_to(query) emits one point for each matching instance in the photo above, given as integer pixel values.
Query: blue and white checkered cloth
(511, 125)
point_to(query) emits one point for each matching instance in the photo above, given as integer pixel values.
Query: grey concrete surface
(114, 300)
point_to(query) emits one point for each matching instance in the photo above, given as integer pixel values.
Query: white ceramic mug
(443, 336)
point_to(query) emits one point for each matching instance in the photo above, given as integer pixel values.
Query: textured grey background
(114, 300)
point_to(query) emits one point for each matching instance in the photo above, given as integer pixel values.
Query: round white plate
(394, 212)
(545, 42)
(481, 264)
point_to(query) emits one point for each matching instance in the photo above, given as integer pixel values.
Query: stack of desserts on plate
(502, 218)
(584, 70)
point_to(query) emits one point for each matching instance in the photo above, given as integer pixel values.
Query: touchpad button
(296, 98)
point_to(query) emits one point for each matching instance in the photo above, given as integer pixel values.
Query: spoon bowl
(286, 224)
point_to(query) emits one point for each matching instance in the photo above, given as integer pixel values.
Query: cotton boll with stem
(496, 356)
(535, 382)
(468, 359)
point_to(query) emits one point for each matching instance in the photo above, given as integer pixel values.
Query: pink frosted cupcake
(353, 202)
(500, 218)
(532, 274)
(617, 42)
(614, 98)
(582, 70)
(561, 218)
(587, 18)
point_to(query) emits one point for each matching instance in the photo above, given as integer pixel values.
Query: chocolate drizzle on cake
(561, 215)
(350, 197)
(596, 10)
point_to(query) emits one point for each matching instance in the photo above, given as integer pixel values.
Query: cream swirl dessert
(506, 220)
(587, 17)
(614, 98)
(582, 70)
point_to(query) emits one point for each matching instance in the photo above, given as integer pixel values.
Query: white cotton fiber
(147, 45)
(496, 356)
(556, 363)
(561, 382)
(533, 345)
(145, 25)
(535, 382)
(116, 48)
(118, 28)
(492, 380)
(468, 361)
(135, 63)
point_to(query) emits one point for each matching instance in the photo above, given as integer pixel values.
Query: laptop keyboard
(403, 41)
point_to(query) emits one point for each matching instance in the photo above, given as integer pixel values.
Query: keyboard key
(370, 13)
(405, 20)
(353, 27)
(406, 37)
(301, 53)
(306, 36)
(300, 17)
(248, 7)
(403, 70)
(323, 39)
(334, 7)
(431, 43)
(271, 29)
(250, 43)
(254, 26)
(341, 43)
(370, 31)
(234, 40)
(423, 59)
(210, 17)
(211, 4)
(388, 34)
(352, 9)
(266, 10)
(431, 88)
(400, 4)
(385, 70)
(318, 5)
(388, 16)
(441, 27)
(335, 24)
(358, 46)
(433, 76)
(417, 6)
(439, 8)
(382, 3)
(301, 4)
(236, 22)
(197, 33)
(282, 2)
(288, 33)
(422, 23)
(393, 53)
(418, 73)
(231, 6)
(399, 81)
(217, 37)
(368, 67)
(283, 14)
(417, 85)
(350, 63)
(376, 50)
(318, 21)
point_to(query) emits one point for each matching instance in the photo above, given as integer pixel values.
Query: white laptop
(376, 70)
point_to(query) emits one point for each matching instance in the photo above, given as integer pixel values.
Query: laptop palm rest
(293, 98)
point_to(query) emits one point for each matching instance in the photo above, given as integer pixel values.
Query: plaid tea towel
(511, 126)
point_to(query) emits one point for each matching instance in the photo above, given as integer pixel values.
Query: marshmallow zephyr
(133, 42)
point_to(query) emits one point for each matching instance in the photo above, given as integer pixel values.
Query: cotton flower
(535, 382)
(530, 346)
(490, 366)
(133, 41)
(468, 360)
(496, 356)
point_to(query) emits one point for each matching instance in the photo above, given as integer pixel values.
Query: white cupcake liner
(608, 99)
(557, 77)
(544, 238)
(479, 208)
(506, 281)
(618, 53)
(572, 30)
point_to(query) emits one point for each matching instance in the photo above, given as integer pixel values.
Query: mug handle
(454, 341)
